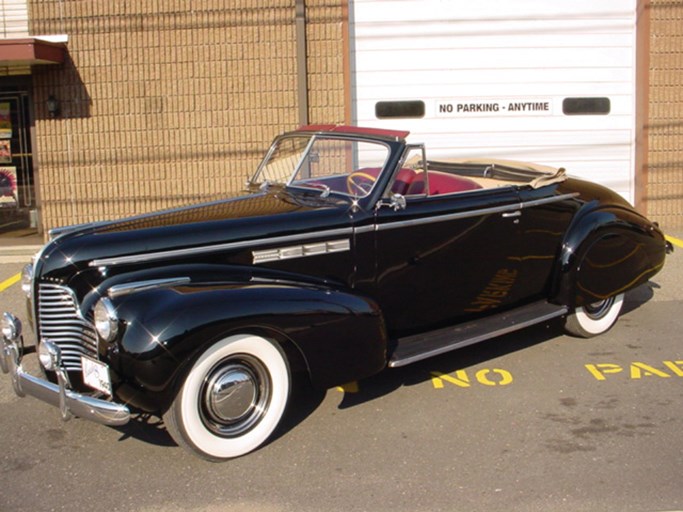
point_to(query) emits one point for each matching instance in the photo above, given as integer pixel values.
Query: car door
(444, 258)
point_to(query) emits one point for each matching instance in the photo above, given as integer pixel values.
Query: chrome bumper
(59, 395)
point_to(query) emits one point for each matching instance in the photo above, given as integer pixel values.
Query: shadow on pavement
(148, 428)
(390, 380)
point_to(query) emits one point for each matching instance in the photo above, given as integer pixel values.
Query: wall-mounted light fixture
(53, 106)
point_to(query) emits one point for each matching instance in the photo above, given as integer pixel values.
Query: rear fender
(339, 336)
(607, 251)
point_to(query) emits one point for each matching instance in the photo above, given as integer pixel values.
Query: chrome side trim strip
(192, 251)
(55, 233)
(478, 338)
(119, 290)
(465, 215)
(301, 251)
(446, 218)
(548, 200)
(366, 229)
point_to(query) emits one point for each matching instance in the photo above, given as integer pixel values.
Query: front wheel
(232, 398)
(593, 319)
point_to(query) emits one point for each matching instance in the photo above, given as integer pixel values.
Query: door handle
(509, 215)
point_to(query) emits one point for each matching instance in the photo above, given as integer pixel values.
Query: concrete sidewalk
(18, 254)
(19, 249)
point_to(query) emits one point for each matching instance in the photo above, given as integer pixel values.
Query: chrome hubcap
(235, 395)
(599, 309)
(231, 393)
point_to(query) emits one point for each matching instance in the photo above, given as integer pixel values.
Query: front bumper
(59, 395)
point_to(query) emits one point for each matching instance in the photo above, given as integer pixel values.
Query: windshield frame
(292, 181)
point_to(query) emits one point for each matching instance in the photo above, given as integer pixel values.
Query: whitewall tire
(232, 399)
(593, 319)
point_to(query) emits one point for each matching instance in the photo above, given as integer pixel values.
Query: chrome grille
(60, 321)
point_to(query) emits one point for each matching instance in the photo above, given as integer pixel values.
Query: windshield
(325, 164)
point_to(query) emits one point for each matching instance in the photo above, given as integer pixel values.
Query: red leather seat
(443, 183)
(404, 180)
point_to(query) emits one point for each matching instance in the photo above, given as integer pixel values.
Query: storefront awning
(31, 51)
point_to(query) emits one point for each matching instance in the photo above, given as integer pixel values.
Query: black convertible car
(350, 251)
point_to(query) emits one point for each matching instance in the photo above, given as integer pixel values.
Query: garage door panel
(502, 58)
(513, 139)
(447, 77)
(491, 10)
(494, 76)
(438, 36)
(479, 91)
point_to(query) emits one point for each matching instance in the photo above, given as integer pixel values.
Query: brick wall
(665, 126)
(167, 102)
(325, 32)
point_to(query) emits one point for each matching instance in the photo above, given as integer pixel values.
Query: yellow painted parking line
(677, 242)
(9, 282)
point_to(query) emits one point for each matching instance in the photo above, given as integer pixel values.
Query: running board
(421, 346)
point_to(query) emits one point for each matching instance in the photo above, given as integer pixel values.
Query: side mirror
(397, 202)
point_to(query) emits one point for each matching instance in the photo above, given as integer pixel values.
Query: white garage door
(547, 81)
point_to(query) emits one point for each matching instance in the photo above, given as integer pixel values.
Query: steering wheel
(360, 183)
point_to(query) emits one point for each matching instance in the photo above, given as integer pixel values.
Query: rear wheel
(593, 319)
(232, 398)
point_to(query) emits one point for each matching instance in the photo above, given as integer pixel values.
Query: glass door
(17, 190)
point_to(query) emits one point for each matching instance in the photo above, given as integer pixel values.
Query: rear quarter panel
(608, 249)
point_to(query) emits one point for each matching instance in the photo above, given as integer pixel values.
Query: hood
(242, 218)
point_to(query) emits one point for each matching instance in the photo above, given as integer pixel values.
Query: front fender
(341, 336)
(607, 250)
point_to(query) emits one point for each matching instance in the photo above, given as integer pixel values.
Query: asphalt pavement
(531, 421)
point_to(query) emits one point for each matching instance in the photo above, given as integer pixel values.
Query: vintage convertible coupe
(351, 251)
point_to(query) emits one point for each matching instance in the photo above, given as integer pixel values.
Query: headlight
(49, 355)
(11, 326)
(106, 320)
(27, 280)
